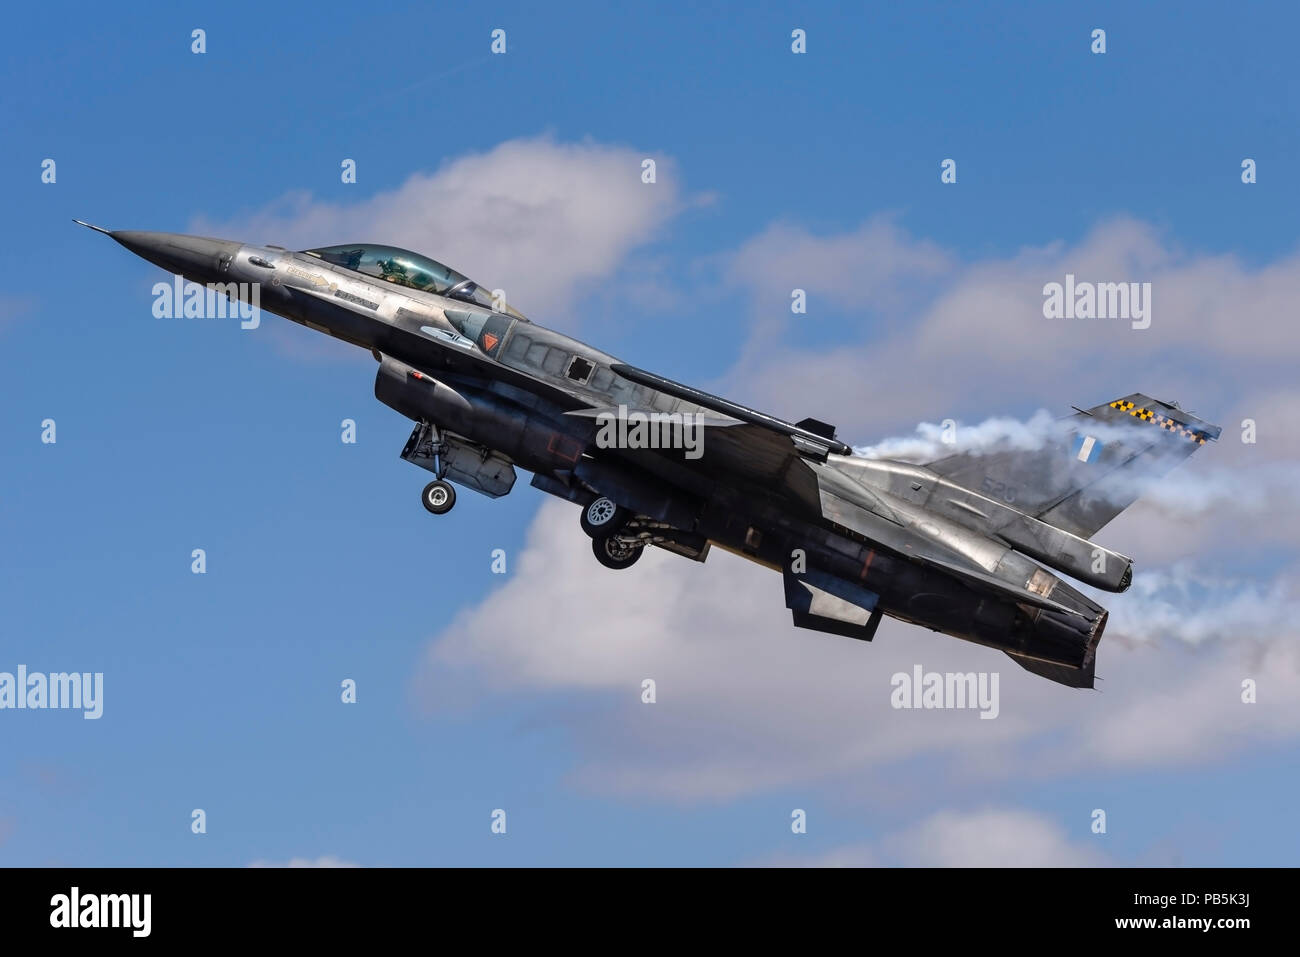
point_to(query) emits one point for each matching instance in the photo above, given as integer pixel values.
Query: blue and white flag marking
(1087, 448)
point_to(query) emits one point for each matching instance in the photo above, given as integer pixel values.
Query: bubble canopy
(405, 268)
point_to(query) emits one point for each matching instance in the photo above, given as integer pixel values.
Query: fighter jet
(968, 545)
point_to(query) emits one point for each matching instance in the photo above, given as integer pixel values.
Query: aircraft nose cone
(195, 257)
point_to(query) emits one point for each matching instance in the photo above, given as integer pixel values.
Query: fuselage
(497, 381)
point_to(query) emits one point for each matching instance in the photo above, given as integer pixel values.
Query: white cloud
(747, 703)
(877, 266)
(985, 838)
(12, 309)
(540, 219)
(1178, 603)
(1175, 709)
(991, 839)
(325, 861)
(976, 343)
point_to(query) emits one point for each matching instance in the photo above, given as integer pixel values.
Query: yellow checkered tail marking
(1166, 423)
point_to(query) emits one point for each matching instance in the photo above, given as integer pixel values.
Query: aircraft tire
(438, 497)
(612, 554)
(602, 518)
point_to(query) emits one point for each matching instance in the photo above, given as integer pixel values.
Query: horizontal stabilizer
(982, 581)
(1062, 674)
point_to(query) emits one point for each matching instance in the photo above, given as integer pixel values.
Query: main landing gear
(438, 497)
(614, 544)
(602, 517)
(615, 552)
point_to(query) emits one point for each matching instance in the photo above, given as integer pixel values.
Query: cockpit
(410, 269)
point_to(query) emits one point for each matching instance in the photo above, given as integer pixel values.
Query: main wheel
(438, 497)
(603, 517)
(612, 553)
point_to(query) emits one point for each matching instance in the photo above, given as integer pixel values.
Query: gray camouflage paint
(958, 545)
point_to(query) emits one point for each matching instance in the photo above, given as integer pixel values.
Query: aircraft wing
(731, 451)
(740, 445)
(810, 436)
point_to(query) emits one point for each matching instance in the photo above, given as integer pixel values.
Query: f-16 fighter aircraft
(969, 545)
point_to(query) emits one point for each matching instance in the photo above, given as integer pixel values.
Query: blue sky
(476, 691)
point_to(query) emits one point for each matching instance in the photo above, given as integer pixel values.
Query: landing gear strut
(438, 497)
(427, 449)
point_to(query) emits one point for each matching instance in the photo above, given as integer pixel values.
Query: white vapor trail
(1177, 603)
(1186, 490)
(935, 440)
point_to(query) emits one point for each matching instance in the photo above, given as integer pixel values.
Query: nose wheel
(438, 497)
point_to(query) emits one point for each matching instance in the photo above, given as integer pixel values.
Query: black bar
(912, 909)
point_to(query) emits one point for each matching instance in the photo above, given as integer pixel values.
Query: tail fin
(1090, 466)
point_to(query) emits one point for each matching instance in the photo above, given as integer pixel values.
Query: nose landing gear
(438, 497)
